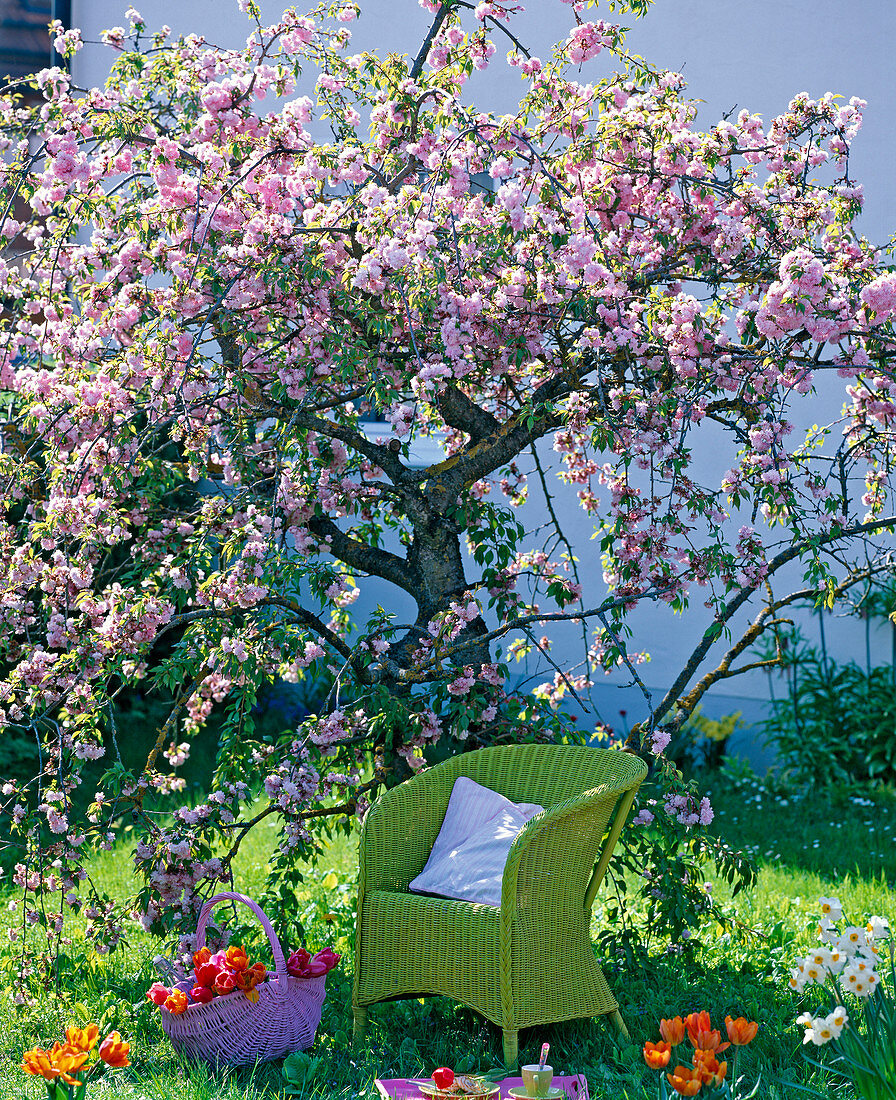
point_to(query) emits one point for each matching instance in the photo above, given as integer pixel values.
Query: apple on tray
(443, 1077)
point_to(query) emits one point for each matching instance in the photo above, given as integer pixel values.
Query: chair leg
(360, 1014)
(619, 1024)
(511, 1047)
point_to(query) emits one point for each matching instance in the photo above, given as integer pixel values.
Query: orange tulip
(237, 959)
(673, 1030)
(686, 1082)
(37, 1063)
(702, 1034)
(657, 1055)
(68, 1061)
(711, 1071)
(201, 957)
(177, 1002)
(82, 1038)
(247, 980)
(114, 1051)
(60, 1061)
(741, 1031)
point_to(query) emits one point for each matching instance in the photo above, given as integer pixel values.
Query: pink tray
(401, 1088)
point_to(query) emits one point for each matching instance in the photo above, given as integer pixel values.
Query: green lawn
(805, 848)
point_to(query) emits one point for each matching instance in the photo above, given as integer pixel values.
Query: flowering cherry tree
(232, 259)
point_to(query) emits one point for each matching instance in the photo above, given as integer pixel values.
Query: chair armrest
(562, 853)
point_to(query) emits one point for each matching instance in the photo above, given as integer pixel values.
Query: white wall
(755, 54)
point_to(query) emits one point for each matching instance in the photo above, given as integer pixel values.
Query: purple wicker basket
(231, 1030)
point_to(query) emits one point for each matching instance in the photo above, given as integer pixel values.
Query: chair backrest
(544, 774)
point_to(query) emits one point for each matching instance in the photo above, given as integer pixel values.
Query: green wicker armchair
(530, 961)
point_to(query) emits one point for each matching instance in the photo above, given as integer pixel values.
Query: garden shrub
(837, 725)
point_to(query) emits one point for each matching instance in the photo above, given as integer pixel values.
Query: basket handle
(276, 949)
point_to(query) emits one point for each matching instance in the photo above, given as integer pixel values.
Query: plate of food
(446, 1085)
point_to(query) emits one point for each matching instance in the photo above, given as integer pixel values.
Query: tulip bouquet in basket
(705, 1075)
(66, 1067)
(847, 966)
(231, 972)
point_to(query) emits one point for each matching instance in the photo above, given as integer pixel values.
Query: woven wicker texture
(530, 961)
(231, 1029)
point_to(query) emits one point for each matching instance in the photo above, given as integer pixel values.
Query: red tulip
(224, 983)
(297, 963)
(206, 974)
(327, 956)
(114, 1052)
(158, 993)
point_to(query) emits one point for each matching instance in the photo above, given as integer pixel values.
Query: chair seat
(439, 940)
(424, 946)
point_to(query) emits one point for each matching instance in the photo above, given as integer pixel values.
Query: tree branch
(739, 599)
(441, 15)
(312, 621)
(461, 412)
(381, 456)
(367, 559)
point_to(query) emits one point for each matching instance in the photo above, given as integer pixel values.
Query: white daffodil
(858, 978)
(797, 980)
(878, 928)
(806, 1021)
(848, 980)
(821, 956)
(836, 1021)
(827, 932)
(831, 908)
(852, 939)
(817, 1029)
(836, 961)
(813, 973)
(821, 1033)
(871, 953)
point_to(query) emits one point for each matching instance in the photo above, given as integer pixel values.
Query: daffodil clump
(848, 963)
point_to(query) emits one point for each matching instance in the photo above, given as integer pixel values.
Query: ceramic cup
(537, 1081)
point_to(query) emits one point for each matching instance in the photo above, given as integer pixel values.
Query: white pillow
(468, 856)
